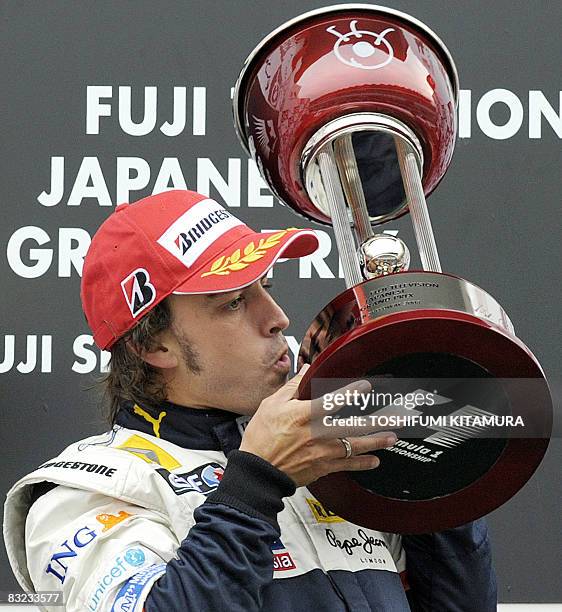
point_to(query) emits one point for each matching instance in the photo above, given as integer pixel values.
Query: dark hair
(129, 377)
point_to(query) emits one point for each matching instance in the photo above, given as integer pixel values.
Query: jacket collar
(191, 428)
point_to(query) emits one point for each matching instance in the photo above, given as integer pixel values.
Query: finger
(332, 428)
(364, 444)
(290, 388)
(378, 441)
(353, 464)
(349, 395)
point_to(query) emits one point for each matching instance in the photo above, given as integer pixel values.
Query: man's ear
(161, 355)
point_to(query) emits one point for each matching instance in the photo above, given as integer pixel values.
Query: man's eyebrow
(214, 296)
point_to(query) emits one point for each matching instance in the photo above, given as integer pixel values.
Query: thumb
(289, 389)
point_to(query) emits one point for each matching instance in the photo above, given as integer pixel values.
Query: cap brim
(248, 259)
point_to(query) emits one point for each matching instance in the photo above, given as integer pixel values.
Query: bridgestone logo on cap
(138, 290)
(196, 230)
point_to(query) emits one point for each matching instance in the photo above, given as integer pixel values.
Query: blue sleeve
(226, 559)
(452, 570)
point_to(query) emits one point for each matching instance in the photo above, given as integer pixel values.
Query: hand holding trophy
(350, 113)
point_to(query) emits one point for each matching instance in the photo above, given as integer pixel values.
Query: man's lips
(283, 358)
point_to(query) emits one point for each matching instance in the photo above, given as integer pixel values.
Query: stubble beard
(189, 354)
(253, 396)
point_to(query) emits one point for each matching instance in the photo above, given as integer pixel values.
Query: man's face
(231, 348)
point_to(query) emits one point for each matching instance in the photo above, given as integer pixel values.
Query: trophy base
(433, 478)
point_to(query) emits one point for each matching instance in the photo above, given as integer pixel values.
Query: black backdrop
(496, 215)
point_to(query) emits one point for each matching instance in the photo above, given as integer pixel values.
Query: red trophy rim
(238, 104)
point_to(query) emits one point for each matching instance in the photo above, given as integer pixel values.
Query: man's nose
(275, 320)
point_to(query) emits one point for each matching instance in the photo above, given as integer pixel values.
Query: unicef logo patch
(135, 557)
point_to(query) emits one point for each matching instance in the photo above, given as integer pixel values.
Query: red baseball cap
(178, 242)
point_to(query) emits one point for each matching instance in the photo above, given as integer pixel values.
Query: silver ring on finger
(348, 448)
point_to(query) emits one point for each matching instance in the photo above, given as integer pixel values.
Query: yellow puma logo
(150, 419)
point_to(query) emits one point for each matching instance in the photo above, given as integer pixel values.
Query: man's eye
(267, 286)
(235, 304)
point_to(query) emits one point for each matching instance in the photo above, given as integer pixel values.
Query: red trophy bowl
(350, 113)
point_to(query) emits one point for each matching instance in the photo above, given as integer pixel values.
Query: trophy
(350, 114)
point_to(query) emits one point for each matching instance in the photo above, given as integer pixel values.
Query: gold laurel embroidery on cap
(155, 422)
(225, 265)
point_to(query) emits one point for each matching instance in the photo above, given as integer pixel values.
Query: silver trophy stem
(340, 219)
(418, 208)
(347, 165)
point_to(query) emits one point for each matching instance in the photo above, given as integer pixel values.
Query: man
(179, 507)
